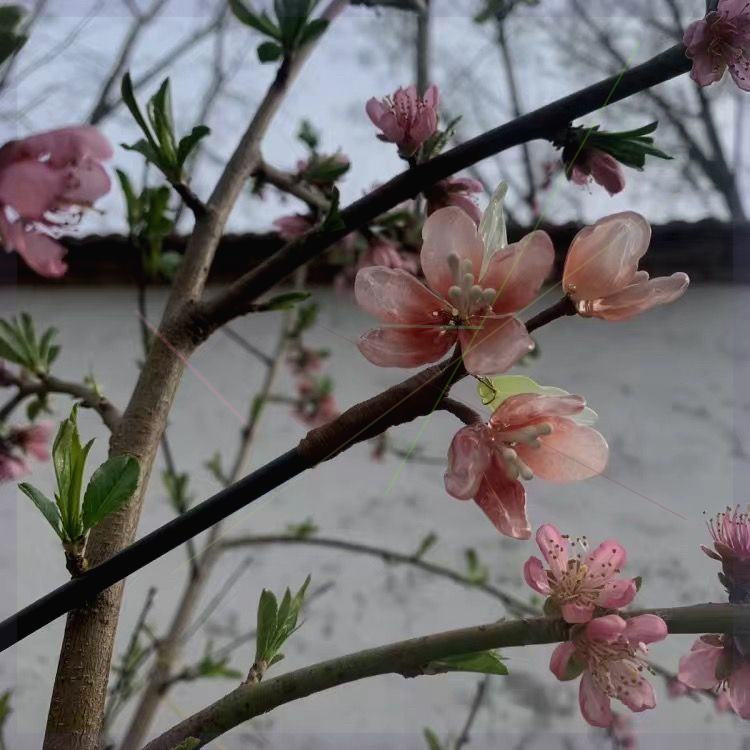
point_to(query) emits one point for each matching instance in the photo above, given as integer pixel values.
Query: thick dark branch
(543, 123)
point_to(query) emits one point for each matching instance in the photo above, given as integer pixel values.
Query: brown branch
(289, 183)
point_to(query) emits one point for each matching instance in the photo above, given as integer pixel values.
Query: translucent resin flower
(578, 585)
(719, 41)
(405, 118)
(714, 663)
(731, 534)
(601, 273)
(474, 282)
(609, 655)
(528, 434)
(45, 182)
(601, 167)
(455, 191)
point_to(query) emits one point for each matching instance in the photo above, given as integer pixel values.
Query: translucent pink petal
(740, 72)
(32, 188)
(86, 184)
(571, 452)
(528, 407)
(536, 576)
(617, 593)
(645, 629)
(43, 254)
(398, 347)
(607, 172)
(468, 459)
(638, 298)
(496, 346)
(594, 703)
(393, 131)
(375, 110)
(607, 560)
(639, 695)
(577, 613)
(432, 96)
(66, 145)
(394, 296)
(603, 258)
(504, 502)
(558, 663)
(554, 548)
(448, 230)
(607, 628)
(698, 666)
(739, 691)
(518, 272)
(11, 468)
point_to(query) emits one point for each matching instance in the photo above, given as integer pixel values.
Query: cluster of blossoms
(46, 180)
(18, 444)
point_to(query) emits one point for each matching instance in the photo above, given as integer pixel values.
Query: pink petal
(739, 691)
(536, 576)
(698, 666)
(617, 593)
(638, 298)
(740, 72)
(645, 629)
(607, 172)
(468, 459)
(432, 96)
(560, 660)
(504, 502)
(496, 346)
(375, 110)
(32, 188)
(639, 696)
(607, 628)
(449, 230)
(393, 131)
(577, 613)
(571, 452)
(518, 272)
(594, 703)
(603, 258)
(43, 255)
(523, 408)
(554, 548)
(606, 560)
(394, 296)
(86, 184)
(66, 145)
(398, 347)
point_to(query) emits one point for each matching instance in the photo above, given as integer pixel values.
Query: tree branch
(409, 658)
(289, 183)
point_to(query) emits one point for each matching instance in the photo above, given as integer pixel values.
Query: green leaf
(484, 662)
(312, 31)
(191, 743)
(269, 52)
(266, 627)
(333, 221)
(48, 509)
(433, 743)
(169, 262)
(190, 141)
(308, 135)
(110, 487)
(285, 301)
(427, 543)
(128, 96)
(146, 149)
(260, 22)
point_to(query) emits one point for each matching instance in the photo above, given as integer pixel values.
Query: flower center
(617, 667)
(506, 441)
(466, 295)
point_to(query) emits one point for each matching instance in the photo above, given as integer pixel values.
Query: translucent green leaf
(110, 487)
(260, 22)
(433, 743)
(484, 662)
(48, 508)
(190, 141)
(285, 301)
(266, 627)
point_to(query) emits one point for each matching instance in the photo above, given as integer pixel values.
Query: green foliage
(276, 623)
(427, 543)
(291, 28)
(10, 40)
(303, 530)
(500, 9)
(191, 743)
(323, 170)
(5, 712)
(160, 147)
(215, 468)
(309, 135)
(484, 662)
(476, 571)
(439, 139)
(176, 485)
(306, 317)
(433, 743)
(333, 221)
(285, 301)
(110, 486)
(19, 343)
(212, 666)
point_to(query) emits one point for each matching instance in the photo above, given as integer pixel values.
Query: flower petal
(739, 691)
(594, 703)
(607, 628)
(569, 453)
(536, 576)
(638, 298)
(449, 230)
(698, 666)
(65, 145)
(492, 345)
(43, 254)
(606, 560)
(394, 296)
(559, 663)
(86, 183)
(31, 187)
(645, 629)
(639, 695)
(503, 501)
(398, 347)
(523, 408)
(573, 612)
(603, 258)
(468, 459)
(518, 272)
(554, 548)
(617, 593)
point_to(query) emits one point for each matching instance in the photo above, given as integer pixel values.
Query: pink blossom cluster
(18, 444)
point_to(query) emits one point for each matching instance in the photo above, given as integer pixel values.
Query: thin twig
(463, 738)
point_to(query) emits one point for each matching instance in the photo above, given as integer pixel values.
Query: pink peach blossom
(609, 655)
(576, 585)
(45, 182)
(473, 287)
(715, 663)
(292, 226)
(316, 405)
(731, 534)
(528, 434)
(386, 254)
(405, 119)
(601, 167)
(11, 466)
(455, 191)
(34, 439)
(601, 273)
(719, 41)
